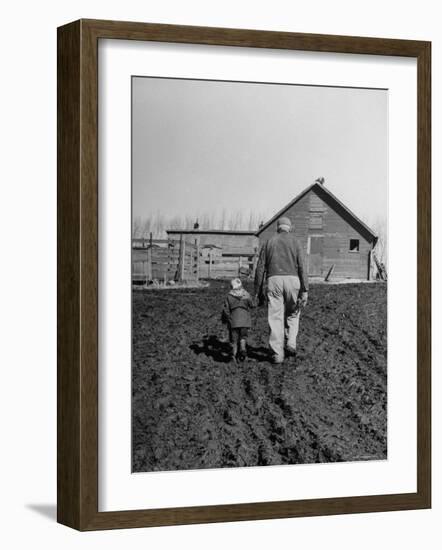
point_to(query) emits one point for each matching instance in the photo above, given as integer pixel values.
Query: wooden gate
(184, 260)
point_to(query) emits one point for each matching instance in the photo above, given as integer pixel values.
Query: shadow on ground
(220, 351)
(48, 511)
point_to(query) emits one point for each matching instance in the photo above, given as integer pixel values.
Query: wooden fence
(185, 260)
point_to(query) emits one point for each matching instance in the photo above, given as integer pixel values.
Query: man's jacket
(281, 255)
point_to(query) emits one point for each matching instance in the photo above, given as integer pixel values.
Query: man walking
(281, 262)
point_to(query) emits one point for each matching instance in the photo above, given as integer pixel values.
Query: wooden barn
(332, 236)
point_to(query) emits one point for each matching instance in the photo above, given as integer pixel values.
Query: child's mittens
(224, 318)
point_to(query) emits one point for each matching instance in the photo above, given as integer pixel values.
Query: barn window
(354, 245)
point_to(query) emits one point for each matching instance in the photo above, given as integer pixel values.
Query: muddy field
(193, 408)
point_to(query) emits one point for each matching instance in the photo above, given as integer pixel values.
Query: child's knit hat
(236, 284)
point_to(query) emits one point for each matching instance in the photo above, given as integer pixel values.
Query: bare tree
(189, 220)
(176, 222)
(255, 218)
(147, 228)
(157, 223)
(378, 224)
(235, 220)
(137, 227)
(221, 224)
(380, 228)
(206, 221)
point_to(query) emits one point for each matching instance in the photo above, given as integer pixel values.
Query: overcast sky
(202, 146)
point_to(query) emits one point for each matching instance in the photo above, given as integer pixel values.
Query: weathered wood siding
(206, 255)
(164, 263)
(222, 255)
(299, 216)
(337, 235)
(220, 240)
(314, 216)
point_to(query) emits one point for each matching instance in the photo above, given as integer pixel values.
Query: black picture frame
(78, 274)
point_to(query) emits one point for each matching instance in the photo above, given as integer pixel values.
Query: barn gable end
(330, 233)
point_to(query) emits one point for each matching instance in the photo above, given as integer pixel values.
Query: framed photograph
(243, 274)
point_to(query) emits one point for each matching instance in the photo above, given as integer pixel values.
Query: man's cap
(284, 221)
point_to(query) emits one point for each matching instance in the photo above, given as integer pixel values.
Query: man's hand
(303, 299)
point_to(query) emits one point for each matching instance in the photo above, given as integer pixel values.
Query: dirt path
(193, 408)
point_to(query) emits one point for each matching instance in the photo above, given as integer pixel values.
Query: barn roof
(328, 196)
(209, 232)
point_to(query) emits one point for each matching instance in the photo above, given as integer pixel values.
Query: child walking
(236, 315)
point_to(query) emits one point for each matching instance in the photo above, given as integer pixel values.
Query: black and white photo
(259, 274)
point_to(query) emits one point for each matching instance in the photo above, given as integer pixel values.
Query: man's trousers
(283, 313)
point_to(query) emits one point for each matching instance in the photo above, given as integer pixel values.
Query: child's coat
(236, 310)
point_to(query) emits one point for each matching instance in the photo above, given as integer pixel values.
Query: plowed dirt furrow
(195, 408)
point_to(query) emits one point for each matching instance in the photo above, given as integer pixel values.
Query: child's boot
(242, 349)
